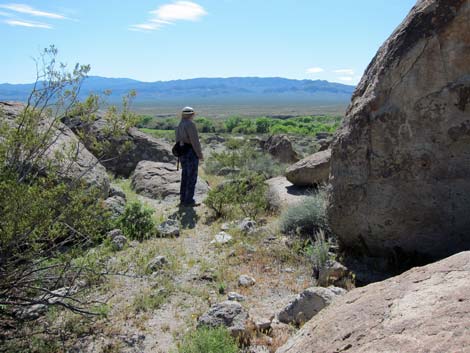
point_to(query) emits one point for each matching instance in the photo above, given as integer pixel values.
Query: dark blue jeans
(189, 165)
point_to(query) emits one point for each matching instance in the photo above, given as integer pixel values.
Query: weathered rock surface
(310, 171)
(246, 281)
(247, 226)
(222, 238)
(115, 190)
(401, 161)
(280, 147)
(162, 181)
(117, 238)
(168, 228)
(423, 310)
(308, 304)
(230, 314)
(142, 147)
(157, 263)
(116, 205)
(282, 193)
(83, 165)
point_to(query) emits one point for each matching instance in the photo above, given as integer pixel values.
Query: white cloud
(29, 24)
(345, 71)
(314, 70)
(170, 13)
(180, 10)
(28, 10)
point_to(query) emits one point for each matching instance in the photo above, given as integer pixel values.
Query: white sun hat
(187, 111)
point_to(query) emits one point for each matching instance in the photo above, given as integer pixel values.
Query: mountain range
(232, 89)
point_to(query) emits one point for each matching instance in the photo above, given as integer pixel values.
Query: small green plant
(137, 222)
(222, 288)
(320, 250)
(243, 196)
(307, 217)
(208, 340)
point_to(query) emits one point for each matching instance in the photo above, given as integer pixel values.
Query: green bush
(245, 158)
(208, 340)
(137, 222)
(244, 195)
(49, 214)
(204, 125)
(307, 217)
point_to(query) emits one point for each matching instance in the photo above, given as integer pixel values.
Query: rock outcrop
(423, 310)
(310, 171)
(280, 147)
(401, 162)
(162, 181)
(308, 304)
(82, 166)
(122, 161)
(230, 314)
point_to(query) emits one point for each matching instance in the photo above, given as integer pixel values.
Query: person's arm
(194, 139)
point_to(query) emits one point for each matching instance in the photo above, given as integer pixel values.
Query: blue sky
(165, 39)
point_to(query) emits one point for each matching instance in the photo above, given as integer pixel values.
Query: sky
(160, 40)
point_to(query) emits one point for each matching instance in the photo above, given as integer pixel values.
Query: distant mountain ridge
(204, 89)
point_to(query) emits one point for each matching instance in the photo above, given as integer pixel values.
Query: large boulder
(76, 161)
(310, 171)
(162, 181)
(423, 310)
(122, 161)
(280, 147)
(401, 162)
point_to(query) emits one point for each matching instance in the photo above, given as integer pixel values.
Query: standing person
(186, 133)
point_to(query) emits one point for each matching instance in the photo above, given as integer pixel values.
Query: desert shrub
(208, 340)
(49, 215)
(244, 158)
(307, 217)
(136, 222)
(245, 195)
(320, 250)
(204, 125)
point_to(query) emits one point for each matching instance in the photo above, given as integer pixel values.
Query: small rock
(234, 296)
(115, 190)
(257, 349)
(263, 324)
(333, 273)
(169, 228)
(116, 205)
(222, 238)
(157, 263)
(246, 281)
(229, 314)
(247, 225)
(114, 233)
(225, 227)
(118, 240)
(288, 270)
(308, 303)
